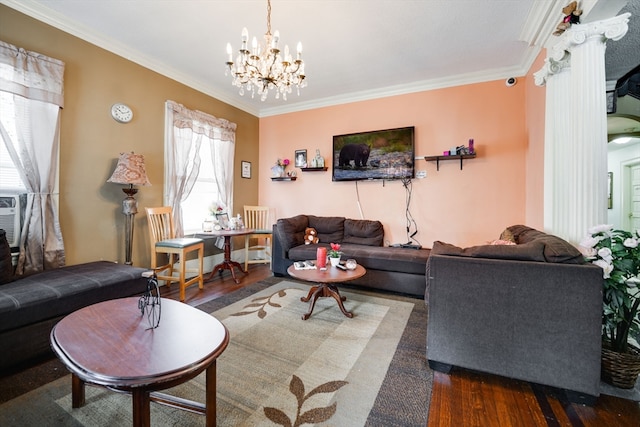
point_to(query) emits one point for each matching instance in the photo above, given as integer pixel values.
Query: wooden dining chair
(257, 218)
(164, 241)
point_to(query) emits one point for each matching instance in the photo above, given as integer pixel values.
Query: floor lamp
(129, 170)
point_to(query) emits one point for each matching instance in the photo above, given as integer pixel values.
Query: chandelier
(263, 68)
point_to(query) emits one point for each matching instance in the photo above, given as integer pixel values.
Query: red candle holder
(321, 257)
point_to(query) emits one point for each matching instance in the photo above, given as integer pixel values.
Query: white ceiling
(353, 49)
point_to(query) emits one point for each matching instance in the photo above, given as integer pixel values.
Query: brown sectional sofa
(388, 268)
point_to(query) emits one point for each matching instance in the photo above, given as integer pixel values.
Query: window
(199, 150)
(10, 182)
(203, 195)
(32, 96)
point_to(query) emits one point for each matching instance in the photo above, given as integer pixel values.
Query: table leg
(324, 290)
(141, 408)
(77, 392)
(227, 264)
(313, 295)
(333, 291)
(210, 390)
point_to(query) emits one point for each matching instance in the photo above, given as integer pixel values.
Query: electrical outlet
(421, 174)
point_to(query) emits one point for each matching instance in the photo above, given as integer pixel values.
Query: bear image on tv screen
(359, 153)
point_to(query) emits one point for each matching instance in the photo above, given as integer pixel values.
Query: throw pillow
(291, 231)
(556, 249)
(507, 235)
(532, 251)
(363, 232)
(502, 242)
(329, 228)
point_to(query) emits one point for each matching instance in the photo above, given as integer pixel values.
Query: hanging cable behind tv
(412, 243)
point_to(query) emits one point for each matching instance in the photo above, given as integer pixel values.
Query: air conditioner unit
(10, 217)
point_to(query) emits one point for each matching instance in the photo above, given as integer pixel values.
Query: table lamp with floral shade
(130, 170)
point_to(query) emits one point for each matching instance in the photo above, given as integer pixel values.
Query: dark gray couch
(388, 268)
(531, 312)
(30, 306)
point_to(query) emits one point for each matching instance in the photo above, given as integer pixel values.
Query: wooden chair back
(161, 225)
(257, 217)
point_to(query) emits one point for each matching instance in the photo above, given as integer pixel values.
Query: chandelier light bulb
(230, 53)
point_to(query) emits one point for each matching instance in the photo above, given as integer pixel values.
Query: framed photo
(301, 158)
(223, 221)
(246, 169)
(610, 191)
(611, 101)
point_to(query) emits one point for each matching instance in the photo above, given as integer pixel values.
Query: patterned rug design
(281, 370)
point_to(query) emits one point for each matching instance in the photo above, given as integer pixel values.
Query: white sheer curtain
(185, 131)
(35, 84)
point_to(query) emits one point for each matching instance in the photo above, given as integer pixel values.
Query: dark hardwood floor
(462, 398)
(465, 398)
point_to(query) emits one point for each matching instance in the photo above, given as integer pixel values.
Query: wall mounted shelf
(438, 159)
(283, 178)
(323, 169)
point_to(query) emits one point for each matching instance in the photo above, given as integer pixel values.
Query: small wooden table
(326, 287)
(110, 344)
(228, 263)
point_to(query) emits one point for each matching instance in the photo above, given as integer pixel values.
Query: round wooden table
(227, 263)
(326, 284)
(110, 344)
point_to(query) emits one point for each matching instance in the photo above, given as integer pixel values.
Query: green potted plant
(334, 254)
(617, 252)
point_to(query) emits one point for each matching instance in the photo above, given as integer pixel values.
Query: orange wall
(502, 186)
(464, 207)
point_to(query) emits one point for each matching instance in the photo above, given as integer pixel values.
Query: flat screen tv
(375, 155)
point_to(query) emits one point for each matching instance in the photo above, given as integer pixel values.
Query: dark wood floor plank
(470, 399)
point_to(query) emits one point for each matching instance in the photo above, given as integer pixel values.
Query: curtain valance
(31, 75)
(202, 123)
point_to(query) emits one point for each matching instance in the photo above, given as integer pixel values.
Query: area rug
(281, 370)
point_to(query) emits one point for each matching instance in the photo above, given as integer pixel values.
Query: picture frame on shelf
(301, 158)
(223, 221)
(246, 169)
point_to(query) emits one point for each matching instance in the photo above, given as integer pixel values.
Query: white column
(556, 75)
(576, 130)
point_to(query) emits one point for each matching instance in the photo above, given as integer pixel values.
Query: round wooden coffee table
(110, 344)
(326, 284)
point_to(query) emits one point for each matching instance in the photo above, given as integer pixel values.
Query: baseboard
(445, 368)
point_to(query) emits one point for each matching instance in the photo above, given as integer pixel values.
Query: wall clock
(121, 113)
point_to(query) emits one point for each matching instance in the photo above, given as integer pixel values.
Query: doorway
(631, 195)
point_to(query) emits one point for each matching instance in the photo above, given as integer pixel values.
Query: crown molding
(541, 22)
(532, 33)
(404, 89)
(50, 17)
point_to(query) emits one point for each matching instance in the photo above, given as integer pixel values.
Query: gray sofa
(388, 268)
(531, 311)
(31, 305)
